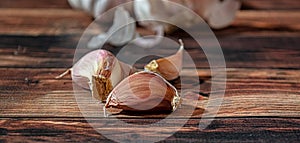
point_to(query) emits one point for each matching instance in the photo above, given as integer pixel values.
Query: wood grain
(34, 4)
(249, 92)
(239, 51)
(271, 4)
(42, 21)
(249, 4)
(68, 21)
(261, 102)
(220, 130)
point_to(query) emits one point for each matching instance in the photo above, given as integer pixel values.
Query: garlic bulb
(100, 71)
(144, 91)
(162, 10)
(168, 67)
(121, 32)
(96, 7)
(218, 14)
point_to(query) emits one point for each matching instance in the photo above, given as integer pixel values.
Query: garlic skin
(221, 14)
(162, 10)
(100, 71)
(121, 32)
(218, 14)
(96, 7)
(144, 91)
(168, 67)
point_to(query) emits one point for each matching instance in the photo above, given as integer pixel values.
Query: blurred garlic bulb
(121, 32)
(144, 91)
(168, 67)
(100, 71)
(162, 10)
(96, 7)
(217, 13)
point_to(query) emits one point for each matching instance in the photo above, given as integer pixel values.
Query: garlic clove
(169, 67)
(100, 71)
(144, 91)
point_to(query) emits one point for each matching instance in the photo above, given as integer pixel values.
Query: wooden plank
(271, 4)
(68, 21)
(250, 92)
(42, 21)
(263, 23)
(34, 4)
(260, 22)
(220, 130)
(239, 51)
(247, 4)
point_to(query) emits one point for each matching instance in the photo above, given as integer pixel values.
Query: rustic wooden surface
(261, 104)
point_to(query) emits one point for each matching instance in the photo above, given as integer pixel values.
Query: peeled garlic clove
(169, 67)
(99, 71)
(144, 91)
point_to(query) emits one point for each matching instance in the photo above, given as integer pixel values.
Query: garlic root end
(68, 71)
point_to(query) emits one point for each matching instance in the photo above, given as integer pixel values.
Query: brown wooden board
(247, 4)
(42, 21)
(220, 130)
(34, 4)
(261, 102)
(239, 51)
(68, 21)
(250, 92)
(271, 4)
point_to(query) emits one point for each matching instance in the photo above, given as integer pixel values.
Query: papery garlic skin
(144, 91)
(162, 10)
(221, 14)
(149, 13)
(96, 7)
(168, 67)
(100, 71)
(121, 32)
(218, 14)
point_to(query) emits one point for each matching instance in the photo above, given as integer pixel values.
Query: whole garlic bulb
(96, 7)
(218, 14)
(144, 91)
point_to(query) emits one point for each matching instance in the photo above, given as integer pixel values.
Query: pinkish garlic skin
(99, 63)
(106, 64)
(99, 71)
(86, 67)
(143, 91)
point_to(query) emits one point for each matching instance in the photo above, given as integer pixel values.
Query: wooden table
(261, 104)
